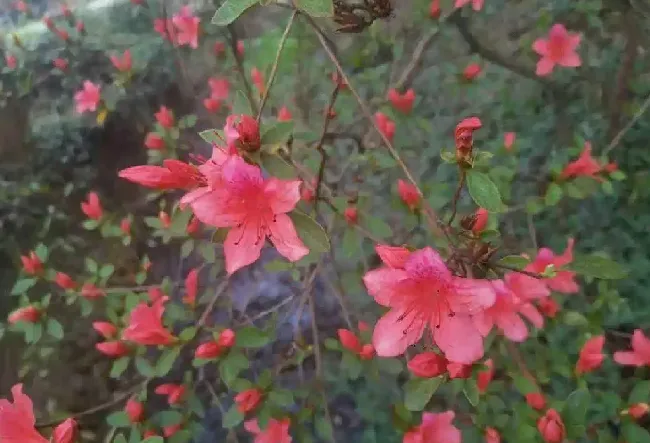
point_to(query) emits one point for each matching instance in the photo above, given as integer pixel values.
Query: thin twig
(274, 68)
(521, 271)
(454, 202)
(617, 139)
(208, 309)
(319, 144)
(239, 65)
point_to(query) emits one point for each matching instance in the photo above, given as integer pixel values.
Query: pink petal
(459, 339)
(512, 326)
(564, 282)
(285, 238)
(471, 295)
(641, 344)
(23, 404)
(461, 3)
(477, 5)
(383, 284)
(393, 256)
(567, 255)
(212, 209)
(526, 288)
(252, 426)
(242, 246)
(628, 358)
(570, 60)
(573, 40)
(396, 331)
(544, 66)
(540, 46)
(484, 322)
(437, 428)
(283, 195)
(529, 311)
(427, 263)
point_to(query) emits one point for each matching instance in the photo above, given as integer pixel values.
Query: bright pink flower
(208, 350)
(481, 219)
(163, 27)
(219, 88)
(240, 47)
(526, 288)
(28, 314)
(464, 137)
(145, 325)
(437, 428)
(459, 370)
(386, 125)
(173, 392)
(242, 132)
(61, 64)
(124, 63)
(505, 314)
(154, 141)
(193, 226)
(413, 435)
(187, 28)
(115, 349)
(32, 265)
(363, 326)
(156, 294)
(105, 329)
(548, 306)
(169, 431)
(93, 207)
(492, 435)
(258, 80)
(367, 352)
(409, 194)
(472, 71)
(211, 104)
(591, 355)
(87, 99)
(219, 49)
(284, 115)
(421, 291)
(509, 140)
(402, 102)
(277, 431)
(174, 174)
(536, 400)
(564, 281)
(11, 61)
(191, 287)
(428, 364)
(17, 419)
(640, 353)
(248, 400)
(351, 215)
(477, 5)
(125, 226)
(90, 291)
(165, 117)
(165, 220)
(484, 377)
(349, 340)
(585, 165)
(226, 338)
(558, 49)
(551, 427)
(434, 9)
(66, 432)
(134, 409)
(64, 281)
(254, 208)
(638, 410)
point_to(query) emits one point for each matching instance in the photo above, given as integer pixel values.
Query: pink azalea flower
(472, 71)
(591, 355)
(253, 207)
(564, 281)
(526, 288)
(17, 419)
(509, 140)
(385, 125)
(191, 287)
(409, 194)
(421, 291)
(165, 117)
(87, 98)
(402, 102)
(28, 314)
(558, 49)
(435, 428)
(640, 353)
(187, 28)
(145, 325)
(174, 174)
(124, 63)
(93, 207)
(284, 115)
(163, 27)
(11, 61)
(585, 165)
(277, 431)
(505, 314)
(492, 435)
(219, 88)
(477, 5)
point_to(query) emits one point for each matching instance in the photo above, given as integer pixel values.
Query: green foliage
(484, 192)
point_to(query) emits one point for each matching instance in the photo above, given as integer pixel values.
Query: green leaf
(91, 265)
(324, 428)
(90, 224)
(418, 392)
(351, 364)
(54, 328)
(277, 166)
(232, 418)
(470, 389)
(155, 439)
(277, 133)
(524, 385)
(118, 419)
(241, 104)
(553, 194)
(23, 286)
(310, 232)
(281, 397)
(212, 136)
(378, 227)
(231, 366)
(166, 361)
(484, 192)
(119, 366)
(633, 433)
(230, 10)
(106, 271)
(514, 261)
(119, 438)
(144, 367)
(187, 121)
(316, 8)
(392, 366)
(574, 412)
(640, 393)
(41, 252)
(597, 267)
(251, 337)
(168, 418)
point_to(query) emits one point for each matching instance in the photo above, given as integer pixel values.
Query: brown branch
(521, 271)
(321, 140)
(239, 65)
(208, 309)
(454, 202)
(644, 107)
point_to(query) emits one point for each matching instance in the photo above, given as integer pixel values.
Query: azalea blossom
(258, 80)
(125, 226)
(66, 432)
(60, 63)
(421, 291)
(559, 49)
(191, 287)
(277, 431)
(211, 105)
(481, 217)
(409, 194)
(93, 207)
(105, 329)
(435, 428)
(219, 88)
(145, 325)
(484, 377)
(427, 364)
(154, 141)
(551, 427)
(591, 355)
(548, 306)
(64, 281)
(386, 125)
(124, 63)
(164, 28)
(32, 265)
(28, 314)
(87, 99)
(187, 28)
(284, 115)
(174, 174)
(434, 9)
(208, 350)
(464, 137)
(90, 291)
(536, 400)
(637, 410)
(352, 343)
(492, 435)
(509, 140)
(585, 166)
(242, 132)
(11, 61)
(165, 117)
(477, 5)
(17, 419)
(248, 400)
(227, 338)
(564, 281)
(472, 71)
(402, 102)
(193, 226)
(114, 348)
(134, 410)
(351, 215)
(174, 392)
(640, 353)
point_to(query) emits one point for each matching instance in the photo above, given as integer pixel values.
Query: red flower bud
(211, 104)
(247, 132)
(125, 226)
(472, 71)
(80, 27)
(240, 47)
(459, 370)
(165, 117)
(367, 352)
(485, 377)
(208, 350)
(66, 432)
(427, 365)
(219, 49)
(29, 314)
(492, 436)
(105, 329)
(193, 226)
(113, 349)
(170, 430)
(248, 400)
(62, 34)
(548, 306)
(135, 410)
(349, 340)
(509, 140)
(154, 141)
(638, 410)
(173, 392)
(226, 338)
(402, 102)
(164, 219)
(536, 400)
(464, 137)
(48, 22)
(409, 194)
(64, 281)
(480, 221)
(284, 115)
(90, 291)
(363, 326)
(351, 215)
(434, 9)
(32, 265)
(551, 427)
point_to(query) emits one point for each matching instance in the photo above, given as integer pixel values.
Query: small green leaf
(118, 419)
(212, 136)
(351, 365)
(574, 412)
(41, 252)
(241, 104)
(119, 438)
(324, 428)
(90, 224)
(484, 192)
(106, 271)
(143, 366)
(310, 232)
(514, 261)
(54, 328)
(119, 366)
(155, 439)
(597, 267)
(281, 397)
(187, 121)
(23, 286)
(232, 418)
(277, 166)
(633, 433)
(251, 337)
(640, 393)
(230, 10)
(277, 133)
(91, 265)
(378, 227)
(553, 194)
(470, 389)
(524, 385)
(392, 366)
(316, 8)
(166, 361)
(231, 366)
(418, 392)
(168, 418)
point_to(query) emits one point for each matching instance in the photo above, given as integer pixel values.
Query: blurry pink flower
(477, 5)
(219, 49)
(191, 287)
(438, 428)
(434, 9)
(258, 80)
(87, 99)
(64, 281)
(66, 432)
(20, 5)
(187, 28)
(481, 217)
(163, 27)
(402, 102)
(484, 377)
(409, 194)
(90, 291)
(386, 125)
(174, 392)
(564, 281)
(11, 61)
(61, 64)
(219, 88)
(509, 140)
(351, 215)
(17, 422)
(277, 431)
(492, 435)
(591, 355)
(105, 329)
(536, 400)
(80, 27)
(32, 265)
(62, 34)
(585, 165)
(28, 314)
(115, 349)
(145, 325)
(558, 49)
(240, 47)
(154, 141)
(125, 226)
(640, 353)
(284, 115)
(427, 364)
(124, 63)
(93, 207)
(211, 104)
(472, 71)
(165, 117)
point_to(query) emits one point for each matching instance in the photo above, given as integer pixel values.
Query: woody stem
(454, 202)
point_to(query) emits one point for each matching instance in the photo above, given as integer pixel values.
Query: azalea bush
(439, 283)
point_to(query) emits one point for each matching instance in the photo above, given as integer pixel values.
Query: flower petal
(529, 311)
(283, 195)
(570, 60)
(459, 339)
(544, 66)
(393, 256)
(212, 208)
(242, 246)
(483, 322)
(427, 263)
(383, 284)
(512, 326)
(471, 295)
(396, 331)
(628, 358)
(540, 46)
(285, 238)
